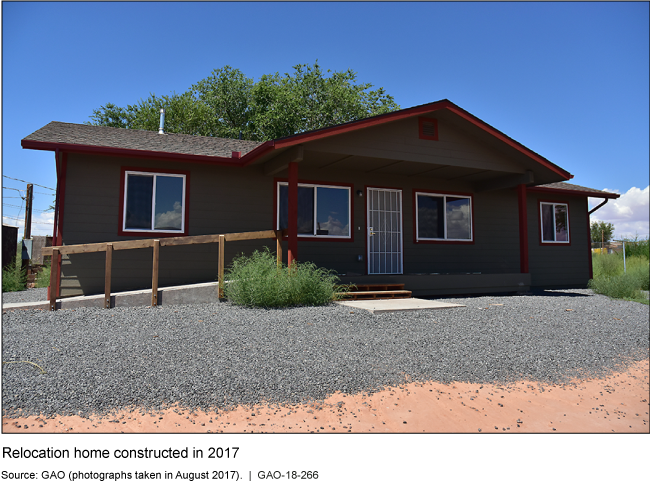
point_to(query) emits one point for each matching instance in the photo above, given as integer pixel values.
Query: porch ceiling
(365, 164)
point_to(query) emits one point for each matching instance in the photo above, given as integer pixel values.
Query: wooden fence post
(278, 250)
(54, 278)
(222, 251)
(154, 274)
(107, 275)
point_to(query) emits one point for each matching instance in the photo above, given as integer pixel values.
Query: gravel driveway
(218, 355)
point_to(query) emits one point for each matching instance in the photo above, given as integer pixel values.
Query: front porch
(436, 284)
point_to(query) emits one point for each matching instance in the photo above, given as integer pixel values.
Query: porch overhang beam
(281, 161)
(510, 181)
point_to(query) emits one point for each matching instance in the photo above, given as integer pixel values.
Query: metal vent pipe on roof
(162, 122)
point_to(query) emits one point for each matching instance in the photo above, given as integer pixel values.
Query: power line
(22, 220)
(15, 189)
(41, 193)
(34, 209)
(23, 181)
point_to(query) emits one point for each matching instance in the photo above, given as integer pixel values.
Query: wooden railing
(154, 243)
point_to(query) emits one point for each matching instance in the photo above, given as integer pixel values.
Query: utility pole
(27, 235)
(28, 212)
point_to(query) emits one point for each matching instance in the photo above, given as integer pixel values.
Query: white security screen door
(384, 231)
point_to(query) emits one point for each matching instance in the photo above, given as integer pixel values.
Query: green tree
(600, 229)
(183, 114)
(228, 103)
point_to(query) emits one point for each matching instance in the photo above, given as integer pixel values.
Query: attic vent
(428, 128)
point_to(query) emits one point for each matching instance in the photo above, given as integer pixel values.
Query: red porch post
(523, 228)
(293, 213)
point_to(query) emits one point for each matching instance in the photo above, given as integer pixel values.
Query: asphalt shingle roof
(575, 187)
(111, 137)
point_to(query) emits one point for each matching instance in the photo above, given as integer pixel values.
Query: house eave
(124, 152)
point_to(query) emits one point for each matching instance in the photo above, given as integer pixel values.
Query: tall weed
(43, 277)
(610, 278)
(14, 278)
(637, 248)
(257, 281)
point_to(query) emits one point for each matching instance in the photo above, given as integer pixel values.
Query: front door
(384, 231)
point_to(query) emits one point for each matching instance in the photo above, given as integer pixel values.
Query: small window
(323, 211)
(443, 217)
(154, 202)
(555, 222)
(428, 128)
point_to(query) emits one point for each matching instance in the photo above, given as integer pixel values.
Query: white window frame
(541, 223)
(314, 228)
(153, 201)
(444, 196)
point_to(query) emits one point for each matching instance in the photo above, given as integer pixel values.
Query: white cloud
(42, 224)
(629, 214)
(170, 220)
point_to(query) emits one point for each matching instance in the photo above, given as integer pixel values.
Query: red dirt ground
(616, 404)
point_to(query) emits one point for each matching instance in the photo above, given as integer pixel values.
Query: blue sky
(568, 80)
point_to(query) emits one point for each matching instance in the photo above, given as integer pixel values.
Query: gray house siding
(496, 241)
(221, 200)
(559, 266)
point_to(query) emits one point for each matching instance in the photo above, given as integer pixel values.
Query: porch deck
(433, 284)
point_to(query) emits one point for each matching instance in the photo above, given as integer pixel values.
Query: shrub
(610, 279)
(257, 281)
(14, 278)
(43, 277)
(637, 248)
(607, 265)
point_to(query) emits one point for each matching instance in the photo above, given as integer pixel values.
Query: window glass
(459, 226)
(169, 203)
(547, 223)
(431, 223)
(332, 217)
(305, 209)
(561, 225)
(139, 191)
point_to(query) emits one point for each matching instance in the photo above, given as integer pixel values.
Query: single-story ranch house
(429, 196)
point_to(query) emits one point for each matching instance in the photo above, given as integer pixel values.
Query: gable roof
(430, 107)
(117, 141)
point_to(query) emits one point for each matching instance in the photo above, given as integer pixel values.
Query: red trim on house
(589, 256)
(421, 122)
(256, 153)
(59, 241)
(440, 242)
(153, 234)
(292, 221)
(539, 223)
(523, 229)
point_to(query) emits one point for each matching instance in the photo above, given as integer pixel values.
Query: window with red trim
(154, 202)
(443, 217)
(555, 222)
